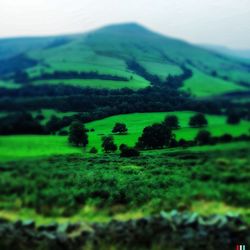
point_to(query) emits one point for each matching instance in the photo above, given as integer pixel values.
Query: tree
(233, 119)
(155, 136)
(21, 77)
(77, 134)
(120, 128)
(108, 144)
(203, 137)
(93, 150)
(129, 152)
(53, 125)
(198, 120)
(172, 121)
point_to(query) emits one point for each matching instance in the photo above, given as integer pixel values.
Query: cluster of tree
(198, 120)
(60, 75)
(94, 104)
(177, 81)
(141, 71)
(171, 81)
(155, 136)
(107, 102)
(128, 151)
(20, 123)
(78, 135)
(15, 64)
(204, 137)
(120, 128)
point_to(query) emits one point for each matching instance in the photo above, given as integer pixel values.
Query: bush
(226, 138)
(129, 152)
(120, 128)
(172, 122)
(155, 136)
(122, 146)
(233, 119)
(63, 132)
(203, 137)
(198, 120)
(108, 144)
(93, 150)
(77, 134)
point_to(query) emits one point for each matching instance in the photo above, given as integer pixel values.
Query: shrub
(120, 128)
(122, 146)
(63, 132)
(155, 136)
(226, 138)
(108, 144)
(172, 121)
(93, 150)
(198, 120)
(203, 137)
(77, 134)
(233, 119)
(129, 152)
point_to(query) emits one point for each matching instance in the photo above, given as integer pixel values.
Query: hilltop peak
(125, 27)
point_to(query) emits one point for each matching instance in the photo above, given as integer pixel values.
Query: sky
(220, 22)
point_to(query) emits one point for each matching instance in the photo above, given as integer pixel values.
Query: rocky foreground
(168, 231)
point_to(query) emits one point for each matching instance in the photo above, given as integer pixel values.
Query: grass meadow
(25, 146)
(102, 187)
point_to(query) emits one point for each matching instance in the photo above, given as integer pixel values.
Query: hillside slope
(106, 52)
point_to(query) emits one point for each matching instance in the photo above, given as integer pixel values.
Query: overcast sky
(221, 22)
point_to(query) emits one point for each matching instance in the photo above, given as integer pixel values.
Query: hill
(241, 53)
(101, 59)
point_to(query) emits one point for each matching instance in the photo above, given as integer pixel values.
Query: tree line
(156, 136)
(23, 77)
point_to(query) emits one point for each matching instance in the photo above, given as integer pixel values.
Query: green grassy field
(136, 122)
(9, 85)
(102, 187)
(24, 146)
(161, 69)
(202, 85)
(135, 83)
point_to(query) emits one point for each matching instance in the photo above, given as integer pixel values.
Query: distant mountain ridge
(229, 51)
(108, 50)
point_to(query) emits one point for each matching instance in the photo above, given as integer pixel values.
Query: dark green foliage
(233, 119)
(198, 120)
(21, 77)
(53, 125)
(122, 146)
(63, 132)
(203, 137)
(172, 122)
(20, 123)
(120, 128)
(128, 151)
(16, 64)
(108, 144)
(155, 136)
(93, 150)
(158, 181)
(77, 134)
(226, 138)
(78, 75)
(40, 117)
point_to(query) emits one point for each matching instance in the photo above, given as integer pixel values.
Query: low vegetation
(64, 186)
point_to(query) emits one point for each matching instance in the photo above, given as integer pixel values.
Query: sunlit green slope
(107, 51)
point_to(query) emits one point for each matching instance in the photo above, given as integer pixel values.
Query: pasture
(202, 85)
(22, 146)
